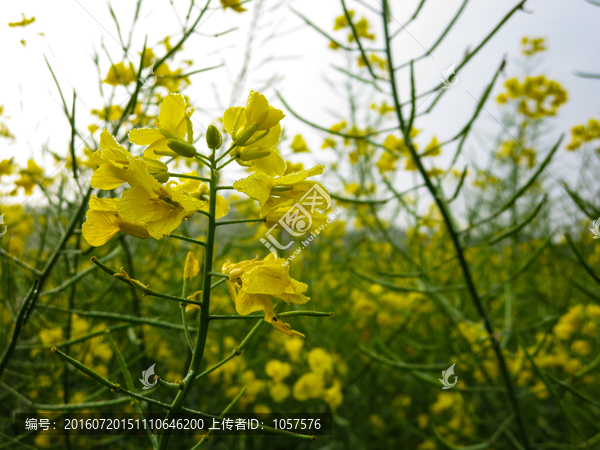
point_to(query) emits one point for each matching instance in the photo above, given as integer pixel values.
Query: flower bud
(214, 140)
(182, 148)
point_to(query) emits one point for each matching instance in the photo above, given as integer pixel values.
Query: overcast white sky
(75, 30)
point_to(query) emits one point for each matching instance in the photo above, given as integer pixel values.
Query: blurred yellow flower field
(422, 289)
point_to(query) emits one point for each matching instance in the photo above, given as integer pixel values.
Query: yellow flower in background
(298, 145)
(320, 361)
(6, 167)
(393, 144)
(293, 347)
(284, 191)
(328, 143)
(258, 153)
(161, 208)
(22, 23)
(581, 347)
(342, 21)
(308, 386)
(333, 396)
(291, 167)
(103, 223)
(172, 123)
(279, 392)
(338, 126)
(537, 97)
(362, 30)
(581, 134)
(531, 46)
(433, 149)
(233, 4)
(277, 370)
(251, 283)
(120, 74)
(387, 162)
(110, 113)
(30, 177)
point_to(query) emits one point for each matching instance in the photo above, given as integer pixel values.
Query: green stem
(188, 336)
(190, 177)
(204, 311)
(188, 239)
(33, 295)
(232, 222)
(443, 207)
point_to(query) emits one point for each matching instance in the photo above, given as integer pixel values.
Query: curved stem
(443, 207)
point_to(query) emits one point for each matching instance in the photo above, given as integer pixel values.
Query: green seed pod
(182, 148)
(214, 140)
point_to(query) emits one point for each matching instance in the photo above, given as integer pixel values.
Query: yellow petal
(191, 267)
(108, 177)
(103, 204)
(100, 227)
(258, 186)
(248, 303)
(229, 119)
(111, 150)
(172, 111)
(269, 278)
(145, 136)
(222, 207)
(166, 225)
(159, 145)
(272, 165)
(257, 108)
(136, 206)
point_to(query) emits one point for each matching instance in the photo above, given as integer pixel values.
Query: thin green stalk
(454, 237)
(587, 268)
(188, 239)
(142, 287)
(204, 311)
(233, 222)
(188, 336)
(31, 299)
(190, 177)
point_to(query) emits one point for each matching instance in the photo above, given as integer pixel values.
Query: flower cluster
(537, 97)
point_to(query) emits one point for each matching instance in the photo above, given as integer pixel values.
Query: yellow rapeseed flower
(298, 145)
(284, 191)
(161, 208)
(172, 124)
(251, 283)
(258, 152)
(103, 223)
(120, 74)
(233, 4)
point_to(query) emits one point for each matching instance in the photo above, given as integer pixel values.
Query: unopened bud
(214, 140)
